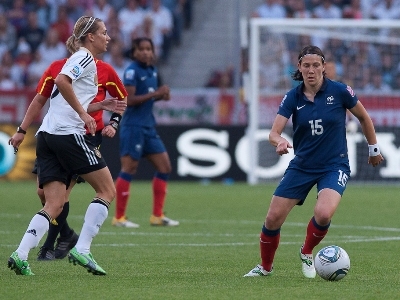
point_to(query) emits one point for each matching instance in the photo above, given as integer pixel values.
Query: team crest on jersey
(329, 100)
(76, 71)
(350, 90)
(130, 74)
(283, 100)
(97, 152)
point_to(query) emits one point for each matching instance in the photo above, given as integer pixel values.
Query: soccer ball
(332, 263)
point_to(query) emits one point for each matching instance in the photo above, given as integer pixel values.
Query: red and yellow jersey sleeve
(46, 82)
(108, 82)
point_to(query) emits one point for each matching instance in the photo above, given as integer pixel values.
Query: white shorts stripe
(80, 140)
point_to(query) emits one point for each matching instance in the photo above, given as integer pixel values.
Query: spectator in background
(327, 10)
(52, 48)
(147, 30)
(31, 32)
(114, 30)
(386, 9)
(15, 71)
(75, 9)
(6, 83)
(353, 10)
(387, 68)
(300, 11)
(377, 84)
(115, 57)
(163, 26)
(8, 35)
(270, 9)
(64, 26)
(35, 70)
(43, 11)
(23, 58)
(102, 9)
(118, 4)
(131, 18)
(17, 15)
(176, 9)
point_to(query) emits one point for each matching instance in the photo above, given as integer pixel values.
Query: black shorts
(60, 156)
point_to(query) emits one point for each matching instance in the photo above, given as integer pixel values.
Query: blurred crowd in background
(361, 57)
(33, 33)
(365, 65)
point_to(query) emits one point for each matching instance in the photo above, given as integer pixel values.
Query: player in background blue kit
(318, 110)
(138, 136)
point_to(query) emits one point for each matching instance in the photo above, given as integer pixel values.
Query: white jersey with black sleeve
(61, 118)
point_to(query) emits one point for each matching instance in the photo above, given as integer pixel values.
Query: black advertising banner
(214, 153)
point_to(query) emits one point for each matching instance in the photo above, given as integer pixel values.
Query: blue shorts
(296, 183)
(138, 141)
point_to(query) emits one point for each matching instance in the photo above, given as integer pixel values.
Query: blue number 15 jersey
(319, 138)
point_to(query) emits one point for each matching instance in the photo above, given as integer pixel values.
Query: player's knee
(40, 193)
(323, 218)
(109, 193)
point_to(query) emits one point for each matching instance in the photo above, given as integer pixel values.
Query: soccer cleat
(45, 254)
(124, 222)
(259, 271)
(162, 221)
(20, 267)
(85, 260)
(307, 264)
(64, 244)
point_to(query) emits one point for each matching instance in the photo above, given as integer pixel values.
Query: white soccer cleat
(124, 222)
(162, 221)
(307, 264)
(258, 271)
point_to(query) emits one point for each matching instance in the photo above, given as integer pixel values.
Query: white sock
(96, 214)
(36, 230)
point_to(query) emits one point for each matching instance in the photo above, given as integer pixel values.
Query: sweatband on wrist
(115, 118)
(374, 150)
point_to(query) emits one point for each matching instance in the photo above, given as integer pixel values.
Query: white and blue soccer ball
(332, 263)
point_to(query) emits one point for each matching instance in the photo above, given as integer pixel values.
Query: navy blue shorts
(138, 141)
(296, 183)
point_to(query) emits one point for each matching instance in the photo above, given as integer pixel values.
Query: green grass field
(215, 245)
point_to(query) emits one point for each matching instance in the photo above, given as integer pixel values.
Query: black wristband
(116, 118)
(20, 130)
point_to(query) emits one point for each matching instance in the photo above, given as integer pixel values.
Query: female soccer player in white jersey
(318, 110)
(62, 150)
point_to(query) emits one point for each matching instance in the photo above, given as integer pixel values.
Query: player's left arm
(367, 126)
(116, 89)
(110, 104)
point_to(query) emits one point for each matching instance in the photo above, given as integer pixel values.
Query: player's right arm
(275, 137)
(31, 114)
(43, 91)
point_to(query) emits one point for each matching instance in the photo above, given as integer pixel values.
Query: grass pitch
(215, 245)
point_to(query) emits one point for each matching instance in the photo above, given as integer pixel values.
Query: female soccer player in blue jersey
(138, 136)
(318, 110)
